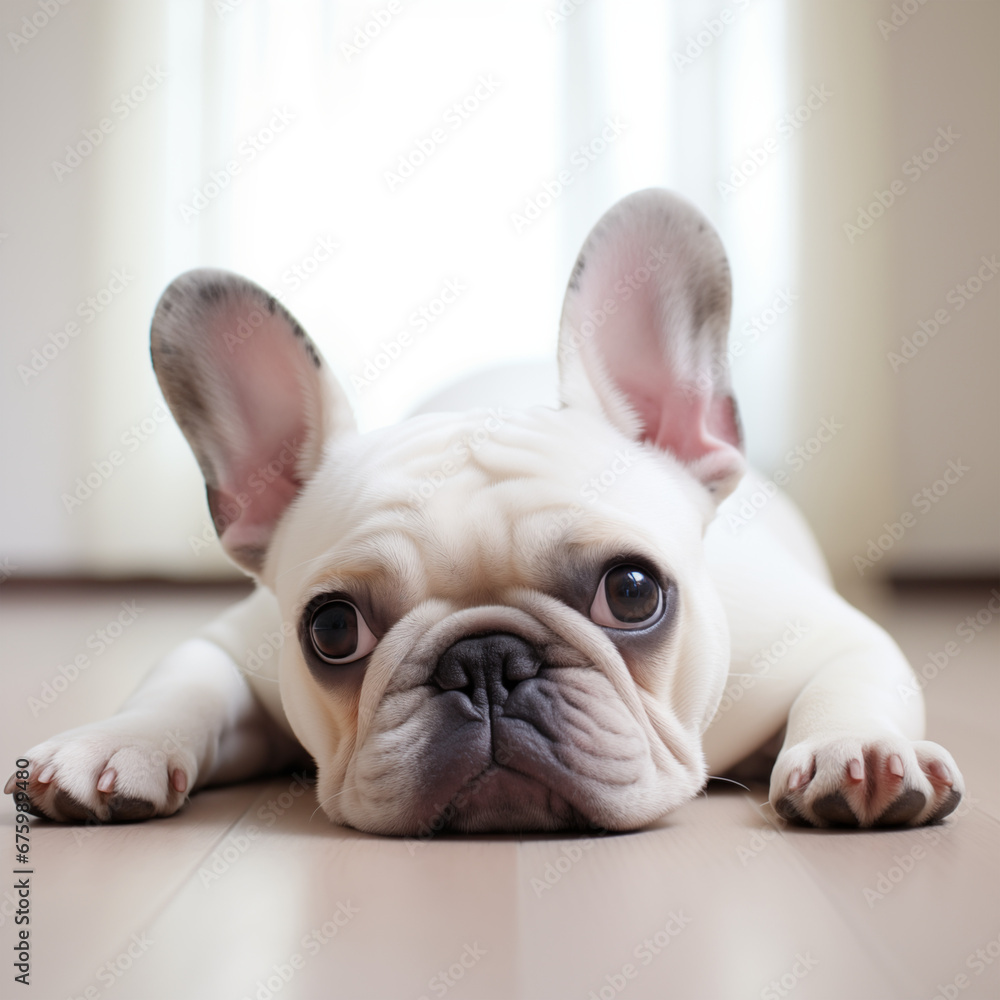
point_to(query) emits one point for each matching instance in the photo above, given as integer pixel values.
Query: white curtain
(358, 159)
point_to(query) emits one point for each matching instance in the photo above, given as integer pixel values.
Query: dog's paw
(118, 771)
(859, 781)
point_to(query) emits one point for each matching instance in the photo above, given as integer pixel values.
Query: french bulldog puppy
(506, 619)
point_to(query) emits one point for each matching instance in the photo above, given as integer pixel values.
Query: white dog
(506, 620)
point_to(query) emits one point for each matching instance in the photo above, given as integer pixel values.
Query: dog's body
(504, 619)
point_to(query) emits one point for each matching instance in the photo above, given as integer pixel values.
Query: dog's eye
(339, 633)
(627, 597)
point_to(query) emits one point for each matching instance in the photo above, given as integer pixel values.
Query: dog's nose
(490, 664)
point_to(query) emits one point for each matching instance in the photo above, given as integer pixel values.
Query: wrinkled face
(504, 623)
(504, 619)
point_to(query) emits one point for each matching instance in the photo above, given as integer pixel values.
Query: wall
(866, 288)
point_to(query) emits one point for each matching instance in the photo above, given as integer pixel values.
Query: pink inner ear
(267, 417)
(648, 309)
(246, 518)
(691, 424)
(686, 422)
(649, 351)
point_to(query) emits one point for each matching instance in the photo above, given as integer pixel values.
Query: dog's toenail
(939, 770)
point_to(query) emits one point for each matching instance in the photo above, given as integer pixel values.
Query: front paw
(122, 770)
(859, 781)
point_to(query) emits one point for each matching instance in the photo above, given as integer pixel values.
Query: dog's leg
(853, 753)
(194, 721)
(805, 661)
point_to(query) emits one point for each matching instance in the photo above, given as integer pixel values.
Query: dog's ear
(643, 334)
(253, 397)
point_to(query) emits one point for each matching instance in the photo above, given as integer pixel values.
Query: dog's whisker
(330, 798)
(305, 562)
(731, 781)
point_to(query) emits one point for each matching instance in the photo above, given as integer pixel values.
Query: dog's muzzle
(500, 725)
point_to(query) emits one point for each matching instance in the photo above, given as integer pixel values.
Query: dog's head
(504, 619)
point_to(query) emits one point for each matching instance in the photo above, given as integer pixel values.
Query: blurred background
(359, 158)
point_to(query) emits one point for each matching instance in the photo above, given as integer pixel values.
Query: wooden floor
(250, 893)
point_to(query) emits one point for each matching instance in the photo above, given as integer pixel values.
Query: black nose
(486, 666)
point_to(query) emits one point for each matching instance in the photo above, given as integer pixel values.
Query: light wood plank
(756, 894)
